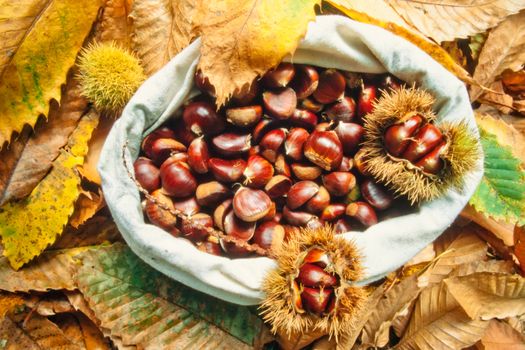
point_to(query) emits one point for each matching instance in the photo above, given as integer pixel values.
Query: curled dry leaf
(504, 48)
(438, 322)
(35, 55)
(28, 158)
(449, 20)
(86, 206)
(239, 39)
(486, 295)
(498, 98)
(97, 230)
(161, 28)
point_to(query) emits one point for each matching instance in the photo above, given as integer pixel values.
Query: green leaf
(145, 308)
(501, 193)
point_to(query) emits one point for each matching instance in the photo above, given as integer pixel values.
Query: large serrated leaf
(438, 322)
(40, 40)
(501, 193)
(489, 295)
(145, 308)
(29, 226)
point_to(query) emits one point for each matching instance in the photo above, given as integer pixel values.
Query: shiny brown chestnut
(424, 140)
(343, 110)
(282, 167)
(158, 216)
(317, 203)
(198, 156)
(432, 162)
(300, 193)
(147, 174)
(324, 149)
(363, 212)
(271, 144)
(397, 136)
(360, 163)
(210, 248)
(208, 194)
(311, 105)
(278, 186)
(313, 276)
(331, 86)
(238, 228)
(342, 225)
(333, 212)
(163, 132)
(280, 104)
(162, 148)
(202, 119)
(346, 164)
(305, 81)
(297, 218)
(247, 94)
(251, 204)
(280, 76)
(350, 135)
(316, 300)
(187, 206)
(306, 171)
(376, 195)
(232, 144)
(220, 213)
(203, 83)
(244, 116)
(339, 183)
(365, 101)
(177, 180)
(269, 235)
(195, 228)
(227, 170)
(258, 172)
(294, 144)
(304, 118)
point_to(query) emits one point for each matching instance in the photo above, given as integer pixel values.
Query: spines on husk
(277, 308)
(109, 75)
(401, 176)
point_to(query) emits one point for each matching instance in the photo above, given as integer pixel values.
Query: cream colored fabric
(332, 41)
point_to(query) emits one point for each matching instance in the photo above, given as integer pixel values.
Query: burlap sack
(332, 41)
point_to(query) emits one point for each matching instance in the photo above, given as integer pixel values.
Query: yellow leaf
(243, 39)
(486, 295)
(40, 40)
(435, 51)
(438, 322)
(161, 28)
(29, 226)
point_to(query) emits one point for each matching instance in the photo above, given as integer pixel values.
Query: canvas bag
(331, 41)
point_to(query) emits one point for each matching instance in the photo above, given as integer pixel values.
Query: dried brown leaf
(77, 300)
(497, 266)
(500, 336)
(514, 82)
(92, 336)
(50, 271)
(20, 330)
(438, 322)
(115, 25)
(504, 48)
(486, 295)
(49, 305)
(402, 320)
(86, 206)
(97, 230)
(393, 301)
(501, 230)
(462, 249)
(498, 98)
(28, 159)
(69, 325)
(519, 246)
(161, 28)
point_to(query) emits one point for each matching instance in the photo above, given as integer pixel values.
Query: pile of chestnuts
(283, 153)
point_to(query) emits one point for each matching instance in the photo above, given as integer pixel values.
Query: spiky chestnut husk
(461, 153)
(109, 75)
(278, 308)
